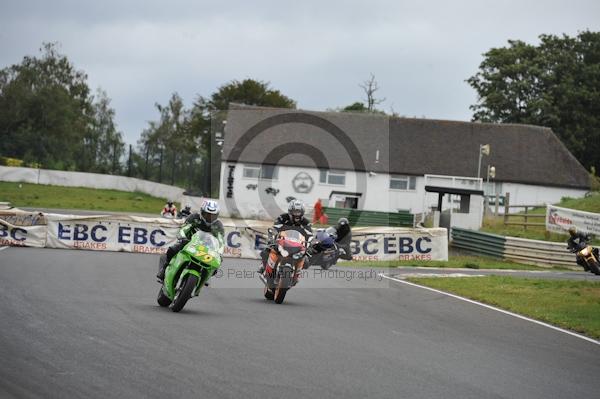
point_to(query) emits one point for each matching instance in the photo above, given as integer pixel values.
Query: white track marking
(2, 248)
(495, 308)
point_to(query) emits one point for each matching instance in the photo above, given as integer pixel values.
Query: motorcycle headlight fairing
(283, 252)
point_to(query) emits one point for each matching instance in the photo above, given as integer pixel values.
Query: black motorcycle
(324, 251)
(587, 257)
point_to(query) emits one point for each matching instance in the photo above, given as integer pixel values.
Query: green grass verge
(43, 196)
(467, 262)
(574, 305)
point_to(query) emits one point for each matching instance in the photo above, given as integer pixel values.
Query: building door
(351, 202)
(338, 199)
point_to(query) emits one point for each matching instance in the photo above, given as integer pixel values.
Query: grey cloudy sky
(316, 52)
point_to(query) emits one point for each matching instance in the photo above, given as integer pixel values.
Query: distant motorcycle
(284, 263)
(324, 249)
(184, 213)
(589, 257)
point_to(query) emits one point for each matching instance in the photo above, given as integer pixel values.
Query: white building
(381, 163)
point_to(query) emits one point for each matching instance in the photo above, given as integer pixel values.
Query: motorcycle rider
(576, 241)
(342, 235)
(207, 220)
(185, 212)
(170, 210)
(293, 217)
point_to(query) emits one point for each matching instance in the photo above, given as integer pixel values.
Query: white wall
(249, 203)
(524, 194)
(91, 180)
(377, 195)
(380, 197)
(375, 190)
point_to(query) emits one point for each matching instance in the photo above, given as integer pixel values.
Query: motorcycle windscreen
(292, 238)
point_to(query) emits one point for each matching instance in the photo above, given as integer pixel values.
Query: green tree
(48, 116)
(104, 144)
(179, 147)
(554, 84)
(169, 146)
(355, 107)
(250, 92)
(44, 107)
(208, 115)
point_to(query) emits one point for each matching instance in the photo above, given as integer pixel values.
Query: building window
(267, 172)
(251, 172)
(403, 182)
(332, 177)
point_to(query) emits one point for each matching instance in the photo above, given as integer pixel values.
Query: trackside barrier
(533, 252)
(155, 235)
(481, 243)
(91, 180)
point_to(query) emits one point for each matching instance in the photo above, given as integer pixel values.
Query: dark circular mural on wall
(303, 183)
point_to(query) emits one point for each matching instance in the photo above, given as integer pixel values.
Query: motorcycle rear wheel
(184, 293)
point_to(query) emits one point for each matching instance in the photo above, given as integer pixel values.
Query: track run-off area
(86, 324)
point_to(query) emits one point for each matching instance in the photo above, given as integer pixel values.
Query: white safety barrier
(91, 180)
(155, 235)
(22, 229)
(111, 233)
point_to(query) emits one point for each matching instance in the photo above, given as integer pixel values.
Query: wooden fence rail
(525, 215)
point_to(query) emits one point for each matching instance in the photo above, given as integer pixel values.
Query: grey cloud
(315, 52)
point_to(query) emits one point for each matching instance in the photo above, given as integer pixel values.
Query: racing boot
(162, 266)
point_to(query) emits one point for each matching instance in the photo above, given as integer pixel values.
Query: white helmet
(209, 211)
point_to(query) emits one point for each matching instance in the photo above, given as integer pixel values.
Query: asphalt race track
(86, 324)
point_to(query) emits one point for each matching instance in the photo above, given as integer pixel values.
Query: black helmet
(572, 231)
(296, 211)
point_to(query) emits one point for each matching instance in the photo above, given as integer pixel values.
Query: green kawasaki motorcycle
(189, 270)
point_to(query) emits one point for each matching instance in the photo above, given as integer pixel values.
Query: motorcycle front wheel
(285, 282)
(594, 267)
(184, 293)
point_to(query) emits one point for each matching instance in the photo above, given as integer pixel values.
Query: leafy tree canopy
(555, 84)
(250, 92)
(48, 116)
(355, 107)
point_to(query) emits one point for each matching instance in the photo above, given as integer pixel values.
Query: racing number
(204, 256)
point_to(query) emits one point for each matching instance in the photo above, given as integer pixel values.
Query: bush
(10, 161)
